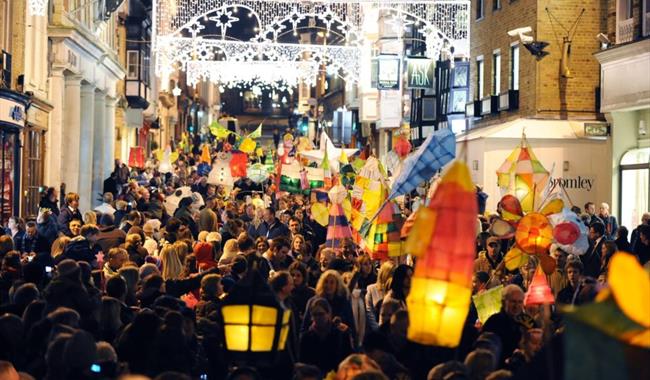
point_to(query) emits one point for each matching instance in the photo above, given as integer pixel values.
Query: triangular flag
(344, 158)
(219, 130)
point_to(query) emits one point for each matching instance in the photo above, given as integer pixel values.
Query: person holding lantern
(506, 323)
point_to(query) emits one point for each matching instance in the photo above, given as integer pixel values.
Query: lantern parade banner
(436, 151)
(440, 294)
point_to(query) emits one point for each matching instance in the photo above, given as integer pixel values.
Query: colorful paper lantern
(338, 228)
(488, 303)
(257, 173)
(402, 147)
(205, 154)
(247, 145)
(220, 173)
(539, 293)
(136, 157)
(564, 233)
(238, 164)
(522, 175)
(440, 294)
(534, 234)
(166, 158)
(320, 213)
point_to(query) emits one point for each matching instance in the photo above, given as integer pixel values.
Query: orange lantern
(534, 234)
(238, 164)
(440, 294)
(402, 147)
(539, 292)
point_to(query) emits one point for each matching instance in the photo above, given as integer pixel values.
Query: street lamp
(255, 324)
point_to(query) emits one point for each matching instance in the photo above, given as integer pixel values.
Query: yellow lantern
(254, 322)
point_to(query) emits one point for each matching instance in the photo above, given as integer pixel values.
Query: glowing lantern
(238, 164)
(136, 157)
(205, 154)
(534, 234)
(166, 158)
(254, 322)
(257, 173)
(440, 294)
(402, 147)
(319, 213)
(247, 145)
(539, 293)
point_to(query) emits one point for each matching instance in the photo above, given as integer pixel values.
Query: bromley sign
(574, 183)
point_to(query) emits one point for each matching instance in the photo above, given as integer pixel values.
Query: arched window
(634, 187)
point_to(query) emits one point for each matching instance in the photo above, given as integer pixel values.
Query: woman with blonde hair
(376, 292)
(331, 287)
(90, 217)
(298, 245)
(59, 245)
(172, 266)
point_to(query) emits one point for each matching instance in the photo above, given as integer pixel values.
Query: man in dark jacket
(82, 248)
(591, 259)
(69, 212)
(270, 228)
(67, 290)
(31, 241)
(109, 236)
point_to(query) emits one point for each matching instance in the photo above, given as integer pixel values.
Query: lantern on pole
(255, 324)
(539, 293)
(440, 294)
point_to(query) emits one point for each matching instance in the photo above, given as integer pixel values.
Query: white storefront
(579, 163)
(83, 79)
(625, 101)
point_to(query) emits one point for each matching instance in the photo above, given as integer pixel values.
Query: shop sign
(579, 182)
(12, 113)
(388, 72)
(419, 73)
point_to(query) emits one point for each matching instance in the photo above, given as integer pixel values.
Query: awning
(534, 129)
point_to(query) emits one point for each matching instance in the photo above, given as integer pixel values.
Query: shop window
(634, 195)
(7, 175)
(480, 5)
(33, 172)
(132, 64)
(514, 67)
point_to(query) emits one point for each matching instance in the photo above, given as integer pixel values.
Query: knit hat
(67, 267)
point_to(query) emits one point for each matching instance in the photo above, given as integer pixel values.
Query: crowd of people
(131, 290)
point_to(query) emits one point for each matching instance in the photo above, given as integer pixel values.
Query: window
(33, 171)
(132, 64)
(514, 67)
(480, 78)
(496, 72)
(496, 5)
(479, 9)
(646, 17)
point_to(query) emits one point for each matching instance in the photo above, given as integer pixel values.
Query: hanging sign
(419, 73)
(388, 72)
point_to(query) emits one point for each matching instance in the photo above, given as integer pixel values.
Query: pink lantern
(538, 291)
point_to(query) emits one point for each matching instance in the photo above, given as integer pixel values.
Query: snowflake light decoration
(224, 20)
(38, 7)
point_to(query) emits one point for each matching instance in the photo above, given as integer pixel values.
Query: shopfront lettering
(577, 183)
(419, 73)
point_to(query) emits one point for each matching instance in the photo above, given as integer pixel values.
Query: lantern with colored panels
(238, 164)
(402, 147)
(255, 324)
(534, 234)
(440, 294)
(205, 154)
(382, 236)
(338, 228)
(522, 175)
(136, 157)
(257, 173)
(539, 293)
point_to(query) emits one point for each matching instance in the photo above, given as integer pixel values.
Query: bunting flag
(441, 287)
(522, 175)
(436, 151)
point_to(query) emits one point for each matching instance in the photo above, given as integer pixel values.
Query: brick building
(552, 97)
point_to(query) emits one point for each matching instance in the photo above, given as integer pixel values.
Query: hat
(493, 239)
(213, 236)
(67, 267)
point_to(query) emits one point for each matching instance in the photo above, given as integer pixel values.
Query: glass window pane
(634, 202)
(636, 156)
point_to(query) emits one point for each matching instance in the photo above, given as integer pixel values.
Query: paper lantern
(337, 194)
(402, 147)
(534, 234)
(502, 229)
(166, 158)
(566, 233)
(630, 286)
(247, 145)
(522, 175)
(205, 154)
(221, 173)
(255, 325)
(238, 164)
(423, 224)
(439, 299)
(488, 303)
(257, 173)
(511, 208)
(320, 213)
(539, 293)
(515, 258)
(136, 157)
(203, 169)
(338, 228)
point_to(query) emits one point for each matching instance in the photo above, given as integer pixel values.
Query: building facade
(83, 76)
(540, 79)
(625, 100)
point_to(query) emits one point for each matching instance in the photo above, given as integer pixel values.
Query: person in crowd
(116, 259)
(74, 228)
(375, 292)
(69, 212)
(489, 260)
(49, 201)
(210, 298)
(82, 247)
(106, 208)
(332, 288)
(109, 236)
(508, 323)
(324, 334)
(132, 219)
(270, 228)
(276, 258)
(622, 243)
(400, 284)
(207, 216)
(610, 222)
(301, 292)
(642, 246)
(634, 237)
(591, 260)
(590, 211)
(16, 229)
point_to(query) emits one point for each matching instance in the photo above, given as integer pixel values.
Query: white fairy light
(38, 7)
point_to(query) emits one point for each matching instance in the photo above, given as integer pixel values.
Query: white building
(82, 88)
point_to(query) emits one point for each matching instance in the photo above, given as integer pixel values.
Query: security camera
(521, 33)
(602, 37)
